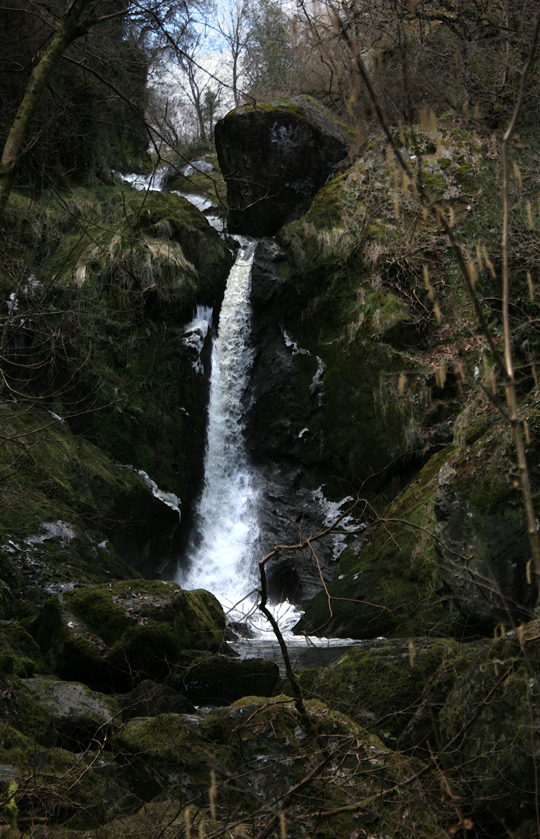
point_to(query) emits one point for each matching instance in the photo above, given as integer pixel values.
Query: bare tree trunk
(69, 30)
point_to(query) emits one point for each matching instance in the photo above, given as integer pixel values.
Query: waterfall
(220, 556)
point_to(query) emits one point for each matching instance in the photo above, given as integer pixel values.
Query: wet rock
(286, 392)
(275, 156)
(390, 583)
(460, 568)
(290, 512)
(146, 527)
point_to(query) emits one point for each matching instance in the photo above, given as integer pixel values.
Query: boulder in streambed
(275, 156)
(257, 753)
(119, 634)
(220, 679)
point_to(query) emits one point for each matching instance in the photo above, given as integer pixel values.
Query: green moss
(394, 587)
(382, 685)
(300, 106)
(69, 654)
(99, 612)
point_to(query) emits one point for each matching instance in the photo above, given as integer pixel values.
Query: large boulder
(387, 685)
(245, 758)
(275, 156)
(119, 634)
(79, 716)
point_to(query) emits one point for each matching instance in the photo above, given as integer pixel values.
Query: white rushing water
(220, 557)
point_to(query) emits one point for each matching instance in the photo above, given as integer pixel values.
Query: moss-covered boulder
(119, 634)
(223, 679)
(489, 726)
(241, 765)
(79, 715)
(275, 156)
(392, 687)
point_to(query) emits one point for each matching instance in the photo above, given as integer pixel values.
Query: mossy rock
(259, 752)
(384, 684)
(120, 274)
(482, 543)
(66, 503)
(394, 587)
(274, 157)
(449, 557)
(119, 634)
(70, 651)
(492, 712)
(79, 791)
(81, 717)
(149, 699)
(224, 679)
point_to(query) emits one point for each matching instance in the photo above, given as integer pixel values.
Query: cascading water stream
(220, 557)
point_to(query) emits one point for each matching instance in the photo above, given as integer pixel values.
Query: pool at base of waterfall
(251, 636)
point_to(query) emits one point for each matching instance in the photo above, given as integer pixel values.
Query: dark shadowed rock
(150, 699)
(119, 634)
(220, 679)
(275, 156)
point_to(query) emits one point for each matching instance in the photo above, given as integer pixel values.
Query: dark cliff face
(275, 156)
(348, 393)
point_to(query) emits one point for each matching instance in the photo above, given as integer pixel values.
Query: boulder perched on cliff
(275, 156)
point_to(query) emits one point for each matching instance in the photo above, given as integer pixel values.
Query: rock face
(275, 156)
(492, 711)
(469, 578)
